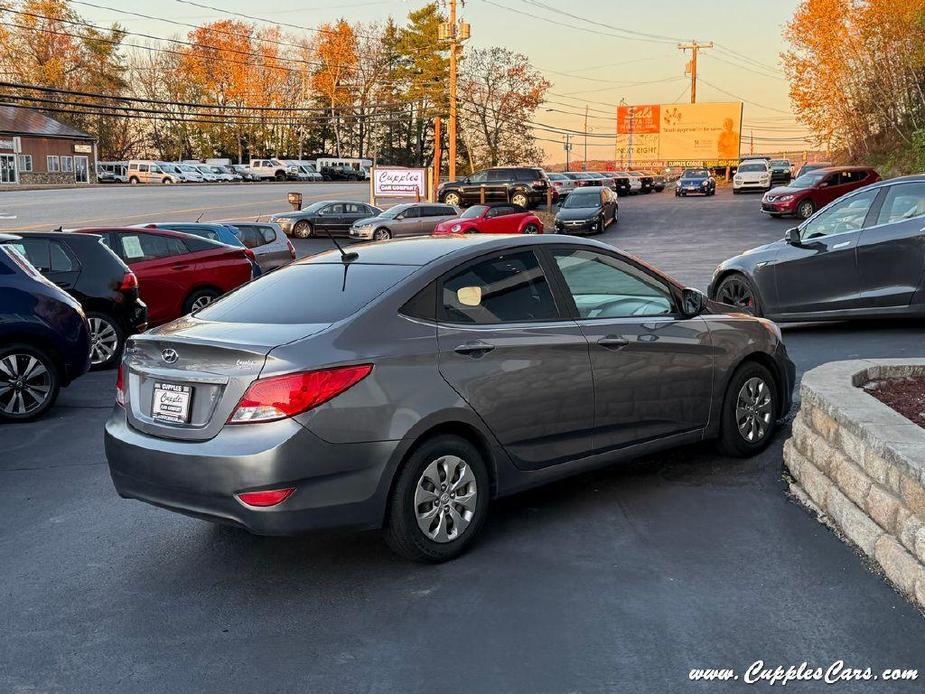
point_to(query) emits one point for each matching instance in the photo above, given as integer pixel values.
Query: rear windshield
(311, 293)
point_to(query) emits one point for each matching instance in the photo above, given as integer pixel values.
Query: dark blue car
(44, 338)
(223, 233)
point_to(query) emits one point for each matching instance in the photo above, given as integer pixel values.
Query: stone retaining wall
(862, 466)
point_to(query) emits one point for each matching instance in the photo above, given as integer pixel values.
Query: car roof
(832, 169)
(57, 235)
(9, 237)
(423, 250)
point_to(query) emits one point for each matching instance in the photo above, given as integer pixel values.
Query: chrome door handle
(841, 245)
(476, 348)
(613, 342)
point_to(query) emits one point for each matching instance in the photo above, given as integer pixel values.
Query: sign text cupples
(397, 182)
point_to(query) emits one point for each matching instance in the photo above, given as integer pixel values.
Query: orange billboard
(680, 134)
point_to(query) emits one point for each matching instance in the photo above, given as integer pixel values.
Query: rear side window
(268, 234)
(903, 201)
(311, 293)
(139, 247)
(505, 288)
(46, 255)
(250, 236)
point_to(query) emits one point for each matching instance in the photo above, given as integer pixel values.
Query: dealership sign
(399, 182)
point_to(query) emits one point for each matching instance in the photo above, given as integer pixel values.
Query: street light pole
(585, 166)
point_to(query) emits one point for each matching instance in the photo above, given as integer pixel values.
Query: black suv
(91, 273)
(525, 187)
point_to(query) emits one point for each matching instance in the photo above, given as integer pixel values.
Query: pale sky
(610, 50)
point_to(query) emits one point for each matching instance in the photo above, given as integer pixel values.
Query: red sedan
(502, 218)
(177, 273)
(816, 189)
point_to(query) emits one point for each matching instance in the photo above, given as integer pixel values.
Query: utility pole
(568, 148)
(455, 32)
(694, 46)
(585, 166)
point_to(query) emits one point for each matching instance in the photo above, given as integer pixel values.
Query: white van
(150, 171)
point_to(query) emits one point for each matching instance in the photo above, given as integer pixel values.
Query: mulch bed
(905, 395)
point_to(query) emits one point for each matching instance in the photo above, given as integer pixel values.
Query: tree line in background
(857, 78)
(237, 89)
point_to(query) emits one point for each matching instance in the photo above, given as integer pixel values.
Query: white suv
(269, 168)
(753, 174)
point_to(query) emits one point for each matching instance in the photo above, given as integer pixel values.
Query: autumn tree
(856, 70)
(499, 94)
(336, 52)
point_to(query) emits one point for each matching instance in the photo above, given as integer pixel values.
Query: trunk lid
(197, 371)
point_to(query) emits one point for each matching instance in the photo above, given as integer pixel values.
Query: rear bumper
(336, 484)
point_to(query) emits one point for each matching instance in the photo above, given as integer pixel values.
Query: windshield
(808, 180)
(780, 162)
(696, 173)
(582, 200)
(474, 212)
(752, 168)
(393, 212)
(169, 168)
(337, 291)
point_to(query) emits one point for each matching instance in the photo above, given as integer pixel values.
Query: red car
(816, 189)
(501, 218)
(177, 273)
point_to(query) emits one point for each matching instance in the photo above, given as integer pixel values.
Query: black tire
(805, 209)
(531, 229)
(732, 439)
(133, 181)
(382, 234)
(107, 339)
(402, 531)
(601, 224)
(45, 384)
(737, 290)
(521, 199)
(200, 299)
(166, 181)
(302, 229)
(280, 175)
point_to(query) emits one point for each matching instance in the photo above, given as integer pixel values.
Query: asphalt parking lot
(622, 580)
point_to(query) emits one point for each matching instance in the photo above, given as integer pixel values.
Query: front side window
(845, 215)
(605, 287)
(505, 288)
(474, 212)
(903, 201)
(478, 177)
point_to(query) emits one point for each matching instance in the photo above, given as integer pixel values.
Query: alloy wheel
(736, 292)
(754, 409)
(104, 340)
(520, 200)
(382, 235)
(445, 499)
(202, 302)
(452, 199)
(805, 209)
(25, 384)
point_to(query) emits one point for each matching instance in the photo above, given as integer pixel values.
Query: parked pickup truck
(269, 169)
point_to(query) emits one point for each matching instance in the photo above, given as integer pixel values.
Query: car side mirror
(792, 236)
(693, 302)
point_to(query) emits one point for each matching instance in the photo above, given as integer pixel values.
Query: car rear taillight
(291, 249)
(268, 497)
(250, 254)
(120, 386)
(129, 282)
(278, 397)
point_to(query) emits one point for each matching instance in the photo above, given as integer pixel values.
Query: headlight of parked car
(456, 227)
(785, 198)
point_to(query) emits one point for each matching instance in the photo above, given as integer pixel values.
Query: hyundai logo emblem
(170, 355)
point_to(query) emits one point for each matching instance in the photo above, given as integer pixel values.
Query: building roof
(25, 121)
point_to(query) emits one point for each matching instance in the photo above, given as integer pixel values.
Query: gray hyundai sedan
(404, 384)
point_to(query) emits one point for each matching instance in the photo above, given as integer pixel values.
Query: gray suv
(404, 384)
(409, 219)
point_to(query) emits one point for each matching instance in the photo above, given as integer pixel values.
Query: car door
(50, 258)
(504, 347)
(818, 271)
(329, 217)
(164, 269)
(891, 262)
(497, 220)
(409, 223)
(652, 367)
(471, 186)
(353, 211)
(498, 185)
(274, 246)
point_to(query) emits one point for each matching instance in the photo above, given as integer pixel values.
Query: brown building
(37, 149)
